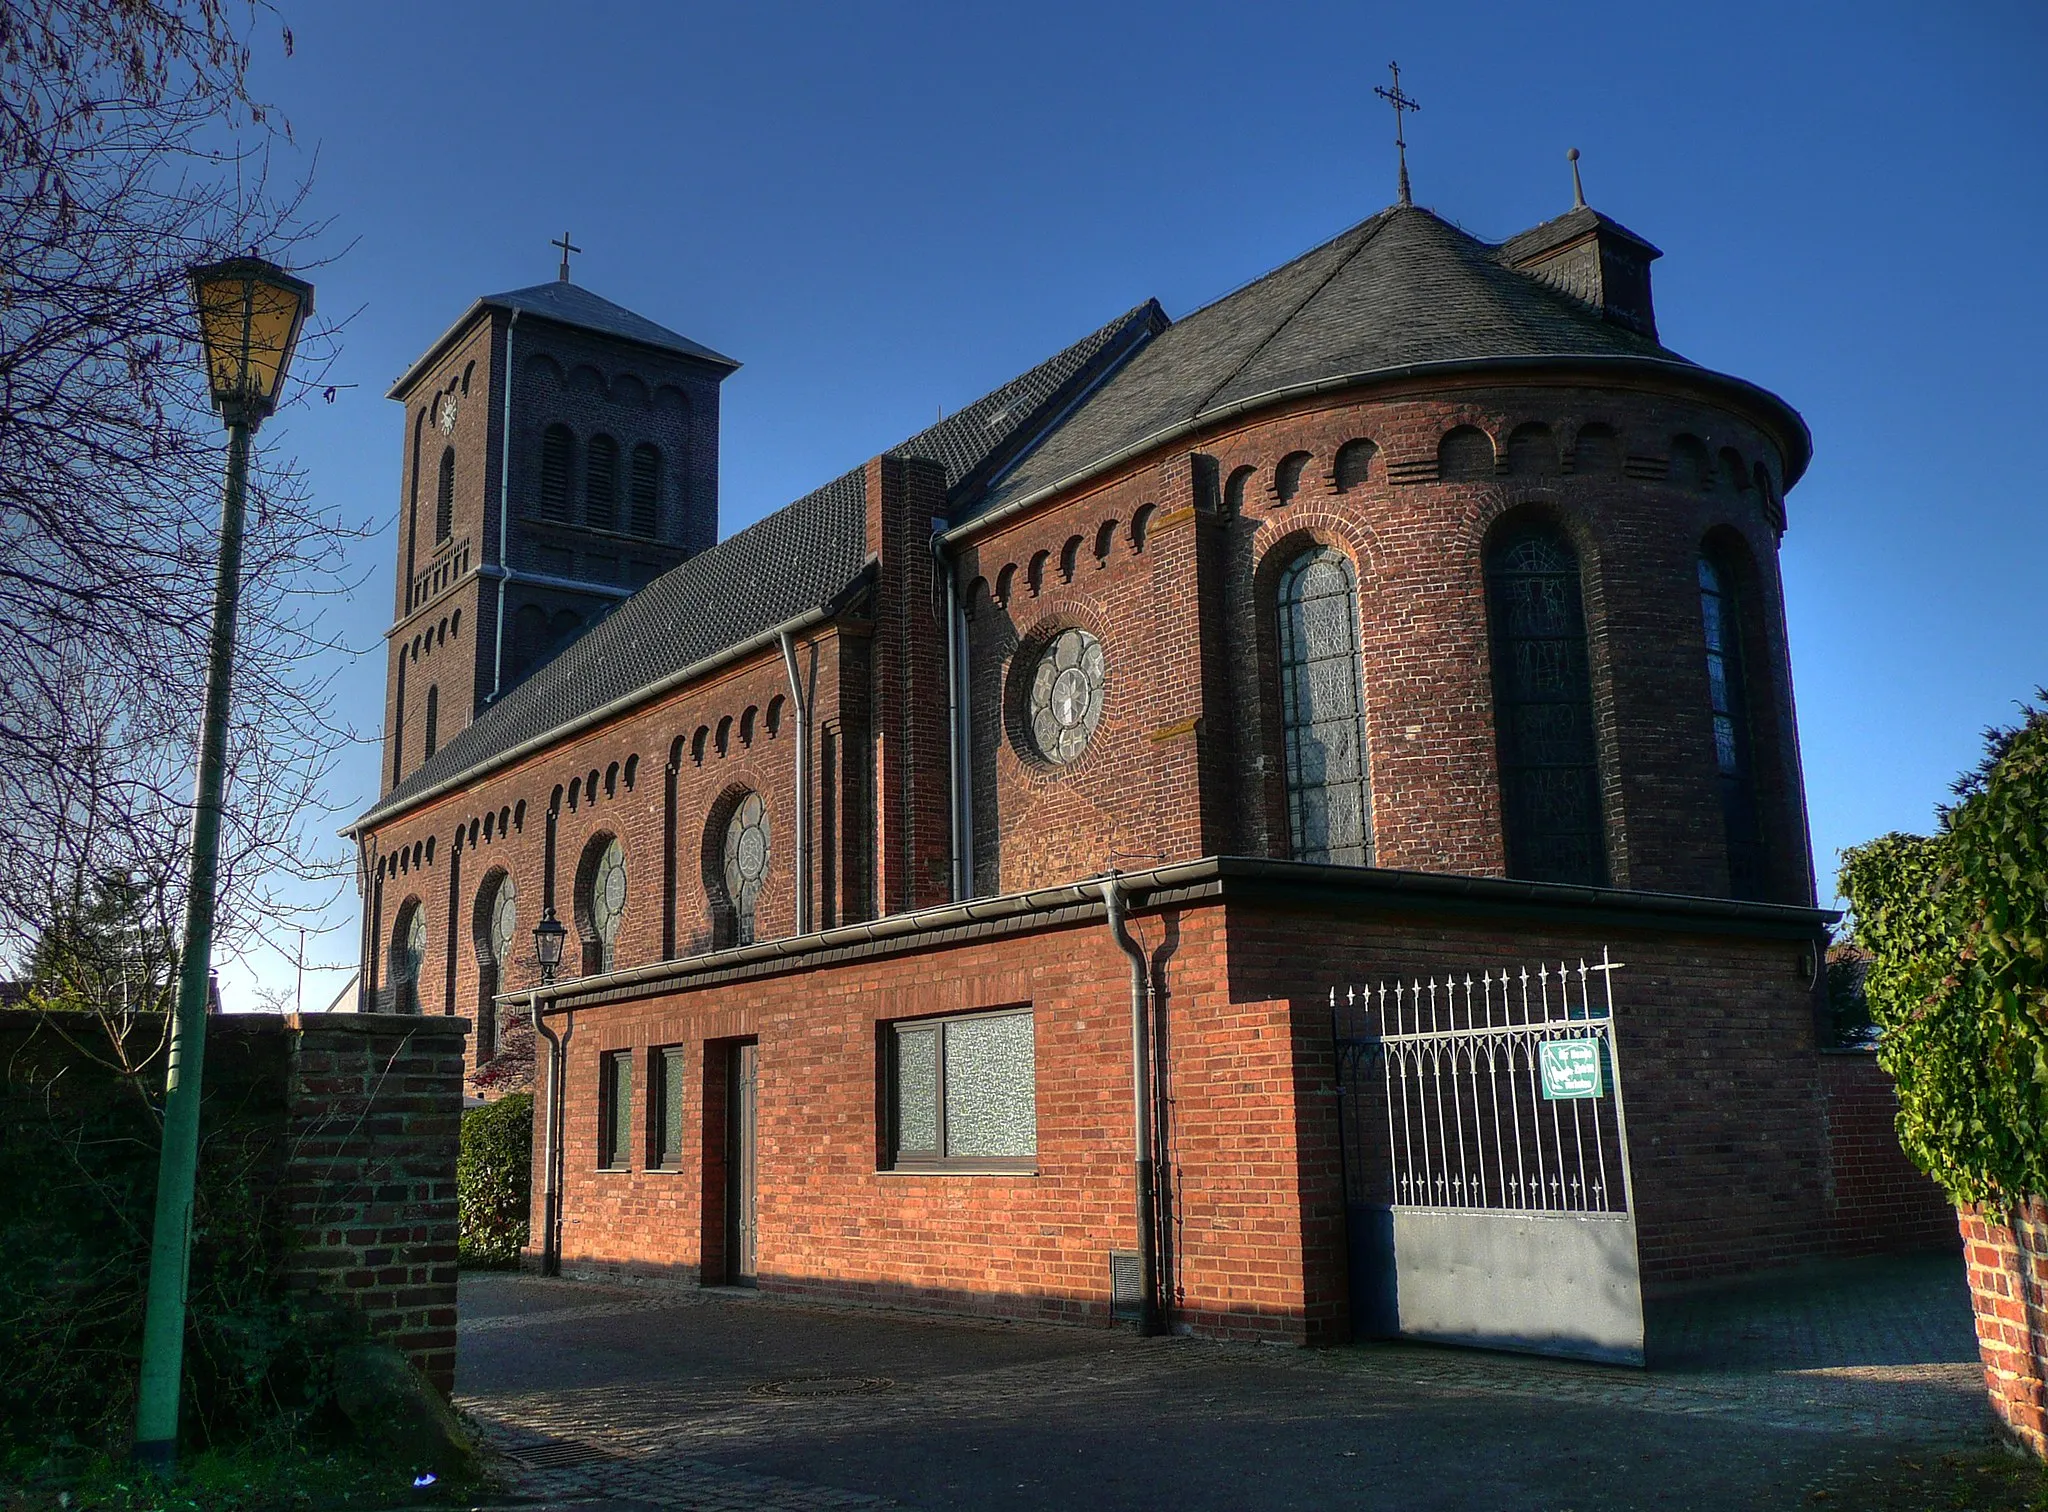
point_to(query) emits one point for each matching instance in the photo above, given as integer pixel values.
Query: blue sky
(884, 209)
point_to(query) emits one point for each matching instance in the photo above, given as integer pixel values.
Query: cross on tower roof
(566, 250)
(1400, 102)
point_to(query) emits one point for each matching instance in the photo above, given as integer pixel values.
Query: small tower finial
(1578, 189)
(566, 250)
(1400, 102)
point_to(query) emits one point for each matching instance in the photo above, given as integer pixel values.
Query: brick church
(957, 864)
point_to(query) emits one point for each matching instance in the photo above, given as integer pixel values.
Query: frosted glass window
(964, 1092)
(917, 1092)
(991, 1087)
(615, 1110)
(665, 1071)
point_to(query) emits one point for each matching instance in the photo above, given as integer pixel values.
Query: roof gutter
(619, 705)
(1791, 427)
(1361, 886)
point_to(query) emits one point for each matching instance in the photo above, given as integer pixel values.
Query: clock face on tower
(447, 420)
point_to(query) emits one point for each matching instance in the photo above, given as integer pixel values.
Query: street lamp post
(250, 316)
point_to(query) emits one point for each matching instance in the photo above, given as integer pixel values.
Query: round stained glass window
(504, 921)
(608, 894)
(1065, 699)
(746, 859)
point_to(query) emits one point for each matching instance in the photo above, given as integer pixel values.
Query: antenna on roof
(566, 250)
(1578, 189)
(1400, 102)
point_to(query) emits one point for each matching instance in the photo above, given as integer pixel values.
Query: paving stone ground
(620, 1398)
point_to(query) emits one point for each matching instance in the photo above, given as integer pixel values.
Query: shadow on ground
(627, 1397)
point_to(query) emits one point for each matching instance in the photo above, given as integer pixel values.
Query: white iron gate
(1487, 1183)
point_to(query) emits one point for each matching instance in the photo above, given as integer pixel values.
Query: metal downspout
(504, 516)
(803, 786)
(1149, 1321)
(953, 826)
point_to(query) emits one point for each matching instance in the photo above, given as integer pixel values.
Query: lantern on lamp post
(548, 936)
(250, 315)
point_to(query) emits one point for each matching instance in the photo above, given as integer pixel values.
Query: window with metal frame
(615, 1110)
(963, 1092)
(665, 1108)
(1543, 708)
(1322, 711)
(1722, 620)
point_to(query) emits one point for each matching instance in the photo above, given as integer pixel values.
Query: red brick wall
(1716, 1044)
(832, 1223)
(373, 1124)
(1186, 623)
(344, 1128)
(2007, 1254)
(1878, 1201)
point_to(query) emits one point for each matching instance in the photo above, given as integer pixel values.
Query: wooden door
(739, 1165)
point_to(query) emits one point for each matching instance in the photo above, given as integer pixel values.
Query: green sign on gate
(1571, 1068)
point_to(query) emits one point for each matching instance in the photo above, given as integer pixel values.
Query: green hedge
(1957, 927)
(494, 1180)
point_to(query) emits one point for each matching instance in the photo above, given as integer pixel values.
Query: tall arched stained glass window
(1731, 728)
(1322, 711)
(746, 863)
(408, 953)
(1543, 708)
(600, 901)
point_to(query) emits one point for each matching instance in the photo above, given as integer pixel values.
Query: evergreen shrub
(494, 1181)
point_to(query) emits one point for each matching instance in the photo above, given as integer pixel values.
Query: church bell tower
(561, 451)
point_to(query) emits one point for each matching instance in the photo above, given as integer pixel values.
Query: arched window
(745, 863)
(557, 461)
(601, 483)
(1322, 711)
(433, 717)
(1726, 692)
(1543, 708)
(444, 497)
(646, 491)
(497, 926)
(408, 953)
(601, 901)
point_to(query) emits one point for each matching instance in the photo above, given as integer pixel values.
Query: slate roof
(571, 305)
(804, 556)
(1401, 288)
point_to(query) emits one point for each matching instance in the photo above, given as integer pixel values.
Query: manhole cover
(823, 1386)
(560, 1455)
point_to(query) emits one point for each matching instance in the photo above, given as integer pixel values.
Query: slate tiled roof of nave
(1403, 287)
(804, 556)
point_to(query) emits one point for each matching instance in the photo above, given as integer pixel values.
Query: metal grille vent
(559, 1455)
(1126, 1284)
